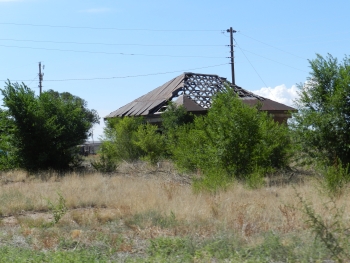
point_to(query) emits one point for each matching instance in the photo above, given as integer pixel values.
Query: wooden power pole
(41, 75)
(232, 56)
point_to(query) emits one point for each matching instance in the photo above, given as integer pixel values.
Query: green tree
(119, 139)
(322, 125)
(175, 116)
(173, 119)
(130, 139)
(42, 132)
(151, 141)
(233, 139)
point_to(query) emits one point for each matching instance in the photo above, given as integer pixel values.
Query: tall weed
(330, 229)
(58, 210)
(335, 179)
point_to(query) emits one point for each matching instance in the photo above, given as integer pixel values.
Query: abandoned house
(195, 92)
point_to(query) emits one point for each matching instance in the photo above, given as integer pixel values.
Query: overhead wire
(33, 80)
(113, 28)
(123, 77)
(273, 60)
(107, 53)
(105, 44)
(272, 46)
(134, 54)
(251, 64)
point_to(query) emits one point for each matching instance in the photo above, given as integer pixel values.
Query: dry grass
(96, 202)
(246, 211)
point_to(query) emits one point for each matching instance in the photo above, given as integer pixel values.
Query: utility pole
(41, 75)
(232, 57)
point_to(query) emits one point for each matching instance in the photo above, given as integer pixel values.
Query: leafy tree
(119, 139)
(173, 119)
(151, 141)
(322, 125)
(175, 116)
(43, 132)
(129, 139)
(233, 139)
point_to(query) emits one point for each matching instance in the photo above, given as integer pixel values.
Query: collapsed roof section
(194, 91)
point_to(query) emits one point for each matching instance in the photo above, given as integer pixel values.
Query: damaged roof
(195, 92)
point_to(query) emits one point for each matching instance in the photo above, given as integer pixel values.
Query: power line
(105, 44)
(32, 80)
(251, 64)
(273, 60)
(273, 46)
(114, 28)
(124, 77)
(108, 53)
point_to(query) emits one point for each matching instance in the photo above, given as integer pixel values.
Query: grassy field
(151, 214)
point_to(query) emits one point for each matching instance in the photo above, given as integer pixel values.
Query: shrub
(58, 210)
(331, 231)
(322, 125)
(173, 119)
(42, 132)
(107, 162)
(233, 140)
(151, 142)
(119, 137)
(129, 139)
(335, 178)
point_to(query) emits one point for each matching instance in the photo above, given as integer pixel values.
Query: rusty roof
(268, 105)
(194, 91)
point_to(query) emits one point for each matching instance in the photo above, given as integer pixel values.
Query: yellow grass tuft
(76, 233)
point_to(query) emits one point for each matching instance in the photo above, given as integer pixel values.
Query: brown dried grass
(95, 200)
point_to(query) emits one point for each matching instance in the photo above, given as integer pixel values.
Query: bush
(151, 142)
(331, 231)
(233, 140)
(119, 137)
(173, 119)
(335, 178)
(42, 132)
(107, 162)
(322, 125)
(129, 139)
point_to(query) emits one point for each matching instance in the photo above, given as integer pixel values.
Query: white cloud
(280, 94)
(95, 10)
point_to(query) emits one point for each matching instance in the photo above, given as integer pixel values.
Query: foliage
(119, 137)
(175, 116)
(163, 248)
(322, 125)
(106, 163)
(190, 149)
(151, 142)
(335, 178)
(255, 179)
(232, 140)
(331, 231)
(130, 139)
(230, 248)
(42, 132)
(213, 181)
(8, 158)
(58, 210)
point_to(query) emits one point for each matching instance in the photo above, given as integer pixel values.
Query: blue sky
(88, 40)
